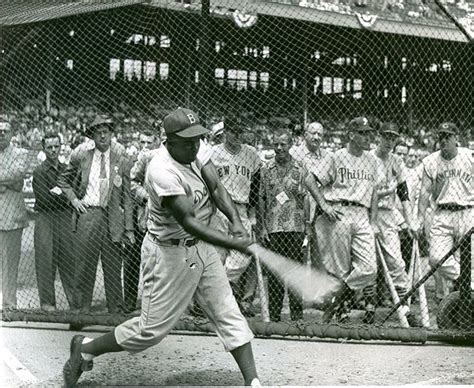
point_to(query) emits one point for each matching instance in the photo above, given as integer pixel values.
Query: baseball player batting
(345, 230)
(179, 260)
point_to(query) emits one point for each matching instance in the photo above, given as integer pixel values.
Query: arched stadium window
(114, 68)
(357, 89)
(149, 71)
(165, 41)
(253, 79)
(219, 74)
(264, 80)
(165, 71)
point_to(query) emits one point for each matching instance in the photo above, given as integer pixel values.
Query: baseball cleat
(74, 367)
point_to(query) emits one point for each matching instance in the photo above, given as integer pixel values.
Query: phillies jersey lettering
(347, 174)
(346, 177)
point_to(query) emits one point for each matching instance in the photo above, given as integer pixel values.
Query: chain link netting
(344, 96)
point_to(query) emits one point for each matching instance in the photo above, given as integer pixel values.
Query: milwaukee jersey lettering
(236, 170)
(452, 180)
(346, 177)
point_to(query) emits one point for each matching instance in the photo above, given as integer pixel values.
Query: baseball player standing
(448, 179)
(238, 165)
(180, 261)
(393, 185)
(345, 231)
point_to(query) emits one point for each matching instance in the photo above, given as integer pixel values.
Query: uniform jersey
(166, 177)
(236, 170)
(452, 179)
(393, 172)
(346, 177)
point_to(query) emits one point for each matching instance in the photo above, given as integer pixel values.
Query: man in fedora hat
(97, 183)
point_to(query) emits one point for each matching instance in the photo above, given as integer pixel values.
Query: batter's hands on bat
(331, 213)
(79, 206)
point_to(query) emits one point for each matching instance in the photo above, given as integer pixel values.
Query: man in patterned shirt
(282, 217)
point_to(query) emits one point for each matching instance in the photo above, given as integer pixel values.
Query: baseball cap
(98, 121)
(183, 122)
(359, 124)
(390, 128)
(448, 127)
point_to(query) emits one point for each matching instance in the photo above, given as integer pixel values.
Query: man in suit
(97, 183)
(13, 216)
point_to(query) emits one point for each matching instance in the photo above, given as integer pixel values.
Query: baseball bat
(401, 312)
(313, 286)
(262, 290)
(464, 240)
(424, 312)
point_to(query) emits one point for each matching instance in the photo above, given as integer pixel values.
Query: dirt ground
(184, 359)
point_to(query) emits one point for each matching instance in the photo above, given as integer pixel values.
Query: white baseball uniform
(394, 172)
(177, 267)
(235, 172)
(453, 195)
(347, 246)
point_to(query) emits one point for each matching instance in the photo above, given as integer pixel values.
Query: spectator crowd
(287, 181)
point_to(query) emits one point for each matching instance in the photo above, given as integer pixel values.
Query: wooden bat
(313, 286)
(402, 310)
(425, 315)
(262, 289)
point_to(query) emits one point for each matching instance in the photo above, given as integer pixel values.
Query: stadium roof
(15, 12)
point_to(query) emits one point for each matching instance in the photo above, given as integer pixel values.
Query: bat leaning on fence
(425, 317)
(402, 310)
(315, 287)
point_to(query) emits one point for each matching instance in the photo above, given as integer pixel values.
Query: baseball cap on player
(183, 122)
(99, 120)
(449, 128)
(390, 128)
(359, 124)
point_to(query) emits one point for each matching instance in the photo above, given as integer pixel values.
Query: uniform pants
(10, 251)
(390, 245)
(92, 241)
(347, 247)
(172, 275)
(288, 244)
(447, 229)
(53, 249)
(241, 274)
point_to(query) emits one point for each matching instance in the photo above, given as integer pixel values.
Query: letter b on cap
(191, 118)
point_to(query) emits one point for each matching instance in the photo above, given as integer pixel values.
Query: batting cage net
(341, 129)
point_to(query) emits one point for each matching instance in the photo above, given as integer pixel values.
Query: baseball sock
(243, 355)
(103, 344)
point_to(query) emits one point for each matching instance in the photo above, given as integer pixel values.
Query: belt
(454, 207)
(347, 203)
(187, 242)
